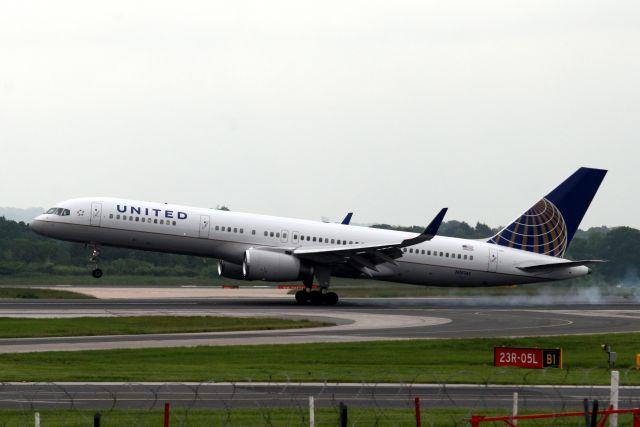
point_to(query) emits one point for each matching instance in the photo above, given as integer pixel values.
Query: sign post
(530, 358)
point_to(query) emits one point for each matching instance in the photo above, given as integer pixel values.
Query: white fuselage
(225, 235)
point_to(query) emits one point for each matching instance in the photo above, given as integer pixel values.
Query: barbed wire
(286, 403)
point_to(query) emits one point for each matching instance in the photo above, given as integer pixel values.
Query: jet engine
(230, 270)
(273, 266)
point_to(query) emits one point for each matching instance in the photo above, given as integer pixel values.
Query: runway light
(613, 356)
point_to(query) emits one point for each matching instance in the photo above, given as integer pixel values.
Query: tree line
(23, 252)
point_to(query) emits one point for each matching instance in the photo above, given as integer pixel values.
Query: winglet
(347, 219)
(429, 232)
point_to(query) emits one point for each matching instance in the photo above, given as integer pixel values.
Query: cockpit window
(59, 211)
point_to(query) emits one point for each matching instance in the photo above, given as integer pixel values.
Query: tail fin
(549, 225)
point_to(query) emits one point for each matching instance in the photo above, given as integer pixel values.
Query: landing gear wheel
(301, 297)
(97, 273)
(331, 298)
(315, 297)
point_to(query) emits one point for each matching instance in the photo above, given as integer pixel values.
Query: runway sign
(531, 358)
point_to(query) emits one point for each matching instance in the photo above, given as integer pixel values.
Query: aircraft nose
(37, 225)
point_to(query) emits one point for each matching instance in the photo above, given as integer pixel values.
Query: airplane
(276, 249)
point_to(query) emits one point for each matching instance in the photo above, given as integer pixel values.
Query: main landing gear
(94, 259)
(317, 297)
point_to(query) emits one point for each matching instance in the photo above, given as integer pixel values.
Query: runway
(355, 320)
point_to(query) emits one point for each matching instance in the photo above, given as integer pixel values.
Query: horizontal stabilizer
(555, 266)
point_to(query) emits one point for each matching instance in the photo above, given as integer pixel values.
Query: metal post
(418, 418)
(343, 415)
(96, 420)
(594, 414)
(312, 412)
(515, 408)
(613, 401)
(587, 415)
(166, 414)
(475, 420)
(37, 419)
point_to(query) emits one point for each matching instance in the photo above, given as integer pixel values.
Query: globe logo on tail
(541, 229)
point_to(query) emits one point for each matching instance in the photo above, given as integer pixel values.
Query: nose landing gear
(94, 259)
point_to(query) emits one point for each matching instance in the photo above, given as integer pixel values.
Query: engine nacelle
(230, 270)
(273, 266)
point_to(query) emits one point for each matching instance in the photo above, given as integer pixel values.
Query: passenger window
(142, 219)
(446, 255)
(338, 241)
(253, 232)
(333, 241)
(242, 231)
(162, 221)
(326, 240)
(314, 239)
(284, 235)
(118, 216)
(278, 235)
(465, 257)
(423, 252)
(155, 220)
(266, 233)
(404, 249)
(459, 256)
(344, 242)
(235, 229)
(441, 254)
(410, 251)
(124, 217)
(110, 216)
(217, 227)
(470, 257)
(350, 242)
(308, 238)
(137, 219)
(174, 223)
(130, 218)
(228, 229)
(271, 234)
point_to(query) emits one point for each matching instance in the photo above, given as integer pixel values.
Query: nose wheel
(95, 259)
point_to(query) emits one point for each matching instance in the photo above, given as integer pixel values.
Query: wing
(347, 219)
(367, 255)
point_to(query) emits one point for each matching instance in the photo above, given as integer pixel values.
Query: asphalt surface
(107, 396)
(356, 320)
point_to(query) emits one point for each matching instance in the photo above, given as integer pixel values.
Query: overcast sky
(311, 109)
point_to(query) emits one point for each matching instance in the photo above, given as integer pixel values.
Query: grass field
(426, 361)
(31, 293)
(91, 326)
(380, 417)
